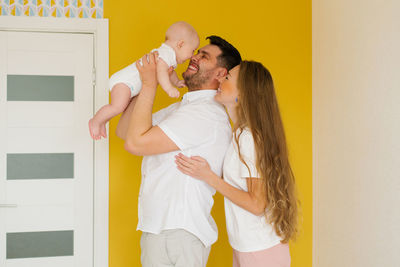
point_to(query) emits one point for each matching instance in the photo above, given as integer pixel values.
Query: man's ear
(221, 74)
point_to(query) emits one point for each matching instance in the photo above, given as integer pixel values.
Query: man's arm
(142, 138)
(123, 123)
(122, 127)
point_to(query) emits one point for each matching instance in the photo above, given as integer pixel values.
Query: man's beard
(197, 80)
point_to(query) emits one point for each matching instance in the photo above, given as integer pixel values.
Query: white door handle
(8, 205)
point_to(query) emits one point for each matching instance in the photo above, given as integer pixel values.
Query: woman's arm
(252, 201)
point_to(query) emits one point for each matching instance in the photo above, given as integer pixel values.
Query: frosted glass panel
(40, 88)
(40, 244)
(40, 166)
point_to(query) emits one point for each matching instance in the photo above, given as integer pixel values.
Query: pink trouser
(276, 256)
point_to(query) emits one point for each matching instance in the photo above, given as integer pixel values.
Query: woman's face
(227, 92)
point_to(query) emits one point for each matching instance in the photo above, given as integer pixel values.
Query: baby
(181, 41)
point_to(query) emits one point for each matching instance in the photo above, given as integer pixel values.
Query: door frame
(99, 29)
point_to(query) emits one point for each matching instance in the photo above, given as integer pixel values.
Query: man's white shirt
(169, 199)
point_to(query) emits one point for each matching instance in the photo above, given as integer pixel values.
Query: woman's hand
(196, 167)
(147, 68)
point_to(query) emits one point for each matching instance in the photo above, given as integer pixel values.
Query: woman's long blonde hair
(258, 110)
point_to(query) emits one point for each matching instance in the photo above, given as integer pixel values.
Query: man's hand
(148, 70)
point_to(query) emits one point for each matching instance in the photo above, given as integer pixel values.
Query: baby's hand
(180, 84)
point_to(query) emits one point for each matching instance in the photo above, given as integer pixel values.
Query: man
(174, 209)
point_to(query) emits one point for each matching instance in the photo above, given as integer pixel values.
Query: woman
(258, 183)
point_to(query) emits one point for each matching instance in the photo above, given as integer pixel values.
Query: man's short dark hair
(230, 56)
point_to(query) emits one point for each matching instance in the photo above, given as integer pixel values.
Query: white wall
(356, 133)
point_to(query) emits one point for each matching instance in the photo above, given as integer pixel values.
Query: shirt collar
(194, 95)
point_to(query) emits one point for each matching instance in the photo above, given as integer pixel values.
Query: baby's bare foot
(94, 129)
(103, 130)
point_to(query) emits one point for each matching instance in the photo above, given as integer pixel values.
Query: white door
(46, 154)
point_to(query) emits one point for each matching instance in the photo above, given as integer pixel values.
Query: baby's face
(186, 51)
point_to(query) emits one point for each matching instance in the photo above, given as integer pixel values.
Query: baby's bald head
(181, 31)
(183, 38)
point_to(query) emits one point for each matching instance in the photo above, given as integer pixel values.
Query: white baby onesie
(130, 75)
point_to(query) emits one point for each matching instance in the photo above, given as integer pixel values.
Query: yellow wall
(276, 33)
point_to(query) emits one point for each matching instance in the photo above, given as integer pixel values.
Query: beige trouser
(176, 247)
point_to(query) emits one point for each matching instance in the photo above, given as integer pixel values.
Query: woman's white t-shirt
(246, 231)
